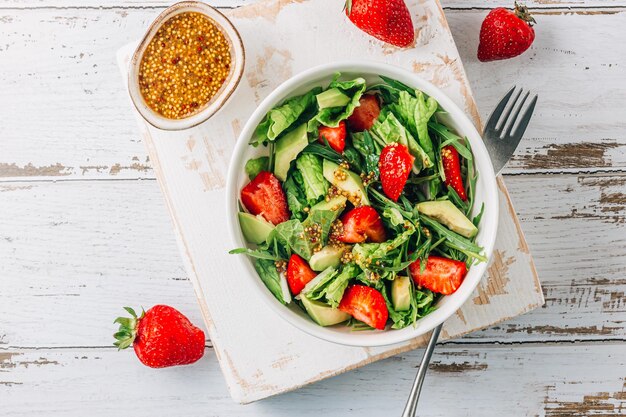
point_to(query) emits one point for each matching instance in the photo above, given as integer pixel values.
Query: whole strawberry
(387, 20)
(505, 34)
(161, 337)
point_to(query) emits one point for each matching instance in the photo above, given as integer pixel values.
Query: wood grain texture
(84, 129)
(67, 247)
(67, 256)
(191, 168)
(449, 4)
(540, 381)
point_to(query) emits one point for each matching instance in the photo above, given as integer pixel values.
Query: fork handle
(411, 404)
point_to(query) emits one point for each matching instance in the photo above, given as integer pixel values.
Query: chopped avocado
(323, 314)
(255, 228)
(336, 204)
(350, 182)
(401, 293)
(287, 149)
(448, 214)
(327, 256)
(332, 98)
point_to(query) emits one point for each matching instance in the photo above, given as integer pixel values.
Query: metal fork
(502, 133)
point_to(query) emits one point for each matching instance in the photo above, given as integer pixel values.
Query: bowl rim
(227, 89)
(488, 225)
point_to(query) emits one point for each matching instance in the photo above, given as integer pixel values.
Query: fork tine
(510, 122)
(505, 117)
(497, 112)
(523, 124)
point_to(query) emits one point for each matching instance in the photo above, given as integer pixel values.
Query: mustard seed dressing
(184, 65)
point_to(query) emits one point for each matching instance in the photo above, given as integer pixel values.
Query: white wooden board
(191, 169)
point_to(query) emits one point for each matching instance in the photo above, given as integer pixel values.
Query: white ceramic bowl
(223, 94)
(486, 192)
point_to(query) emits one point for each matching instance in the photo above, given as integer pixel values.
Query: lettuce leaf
(415, 112)
(332, 285)
(280, 118)
(296, 198)
(389, 129)
(315, 185)
(331, 116)
(254, 166)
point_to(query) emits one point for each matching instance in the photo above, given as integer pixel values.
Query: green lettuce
(332, 284)
(389, 129)
(254, 166)
(315, 185)
(296, 198)
(280, 118)
(331, 116)
(414, 113)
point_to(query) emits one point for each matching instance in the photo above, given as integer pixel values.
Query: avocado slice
(323, 314)
(401, 293)
(351, 184)
(287, 149)
(336, 204)
(327, 256)
(448, 214)
(332, 98)
(255, 228)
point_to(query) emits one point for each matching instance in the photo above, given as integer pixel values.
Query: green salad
(360, 210)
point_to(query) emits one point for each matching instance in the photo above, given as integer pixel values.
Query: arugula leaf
(280, 118)
(325, 152)
(451, 138)
(255, 253)
(420, 305)
(315, 185)
(369, 150)
(254, 166)
(269, 275)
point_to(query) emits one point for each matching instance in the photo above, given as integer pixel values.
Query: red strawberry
(365, 304)
(336, 136)
(505, 34)
(441, 275)
(452, 170)
(395, 166)
(265, 196)
(299, 273)
(161, 337)
(386, 20)
(361, 224)
(364, 116)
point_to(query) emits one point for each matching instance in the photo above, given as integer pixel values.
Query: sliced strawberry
(336, 136)
(265, 196)
(361, 224)
(299, 273)
(452, 170)
(364, 116)
(441, 275)
(365, 304)
(395, 166)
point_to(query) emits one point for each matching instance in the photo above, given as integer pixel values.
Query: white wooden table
(84, 231)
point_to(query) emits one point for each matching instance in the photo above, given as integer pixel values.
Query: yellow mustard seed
(184, 65)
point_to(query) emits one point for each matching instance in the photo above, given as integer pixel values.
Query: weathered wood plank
(449, 4)
(84, 129)
(77, 249)
(550, 381)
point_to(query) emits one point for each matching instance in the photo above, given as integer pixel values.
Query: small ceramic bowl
(486, 192)
(223, 94)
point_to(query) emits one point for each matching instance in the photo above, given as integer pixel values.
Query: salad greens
(323, 182)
